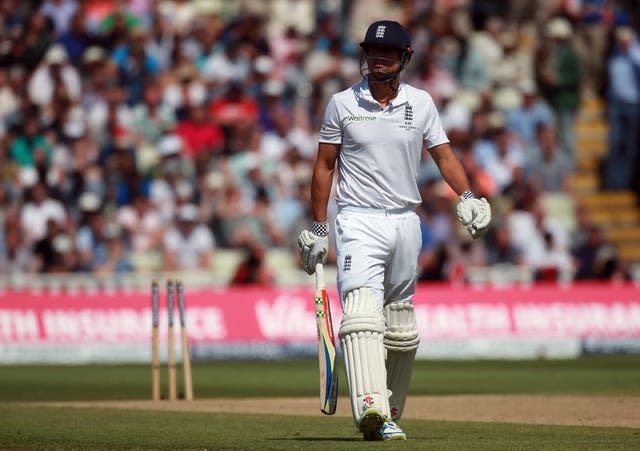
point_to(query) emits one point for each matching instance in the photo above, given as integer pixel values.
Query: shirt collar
(363, 92)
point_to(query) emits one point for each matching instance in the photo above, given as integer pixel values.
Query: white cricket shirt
(380, 148)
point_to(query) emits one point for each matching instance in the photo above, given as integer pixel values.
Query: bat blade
(326, 346)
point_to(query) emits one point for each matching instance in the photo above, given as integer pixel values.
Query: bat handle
(320, 282)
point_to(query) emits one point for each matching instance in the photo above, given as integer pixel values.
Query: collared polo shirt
(380, 147)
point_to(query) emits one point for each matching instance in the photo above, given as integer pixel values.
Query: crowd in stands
(149, 134)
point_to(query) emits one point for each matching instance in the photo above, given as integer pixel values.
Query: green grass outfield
(24, 426)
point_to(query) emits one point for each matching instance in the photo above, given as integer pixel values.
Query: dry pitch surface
(600, 410)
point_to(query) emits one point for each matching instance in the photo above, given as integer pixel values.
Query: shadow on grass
(318, 439)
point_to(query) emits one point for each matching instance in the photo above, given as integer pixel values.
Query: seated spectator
(501, 249)
(188, 244)
(252, 269)
(39, 208)
(173, 169)
(202, 138)
(533, 111)
(61, 12)
(552, 261)
(100, 249)
(236, 112)
(135, 64)
(151, 117)
(549, 165)
(15, 250)
(55, 253)
(597, 259)
(141, 224)
(54, 77)
(76, 39)
(31, 147)
(185, 91)
(501, 155)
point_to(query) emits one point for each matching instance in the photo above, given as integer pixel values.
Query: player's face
(382, 59)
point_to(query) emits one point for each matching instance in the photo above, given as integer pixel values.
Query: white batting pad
(361, 335)
(401, 341)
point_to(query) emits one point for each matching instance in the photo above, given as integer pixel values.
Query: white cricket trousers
(378, 249)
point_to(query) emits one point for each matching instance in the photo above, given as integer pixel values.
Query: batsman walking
(372, 136)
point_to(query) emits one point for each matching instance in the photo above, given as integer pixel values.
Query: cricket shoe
(391, 431)
(371, 424)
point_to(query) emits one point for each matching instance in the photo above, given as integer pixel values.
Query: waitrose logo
(354, 118)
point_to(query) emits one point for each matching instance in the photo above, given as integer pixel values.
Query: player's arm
(473, 213)
(322, 179)
(450, 168)
(313, 244)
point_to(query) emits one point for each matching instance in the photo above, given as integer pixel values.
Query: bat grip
(320, 281)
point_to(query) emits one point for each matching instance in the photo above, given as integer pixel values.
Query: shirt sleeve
(433, 134)
(331, 130)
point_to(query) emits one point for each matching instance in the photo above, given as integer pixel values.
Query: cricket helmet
(392, 34)
(387, 32)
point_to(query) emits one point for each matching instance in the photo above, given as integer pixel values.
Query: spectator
(100, 249)
(152, 118)
(188, 244)
(55, 252)
(76, 40)
(501, 155)
(135, 64)
(559, 78)
(31, 147)
(236, 112)
(39, 208)
(61, 12)
(252, 270)
(185, 92)
(501, 249)
(596, 258)
(623, 110)
(55, 78)
(202, 138)
(523, 119)
(549, 165)
(141, 224)
(15, 249)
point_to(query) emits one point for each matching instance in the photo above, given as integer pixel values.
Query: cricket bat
(326, 346)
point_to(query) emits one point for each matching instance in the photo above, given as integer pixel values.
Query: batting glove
(313, 246)
(474, 214)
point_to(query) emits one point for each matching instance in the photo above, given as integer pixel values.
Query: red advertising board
(286, 315)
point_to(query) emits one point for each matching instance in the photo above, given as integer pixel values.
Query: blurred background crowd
(150, 135)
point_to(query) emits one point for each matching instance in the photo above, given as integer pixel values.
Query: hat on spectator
(273, 88)
(56, 54)
(93, 54)
(28, 176)
(89, 202)
(263, 64)
(215, 180)
(527, 87)
(62, 243)
(558, 27)
(507, 98)
(169, 145)
(188, 213)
